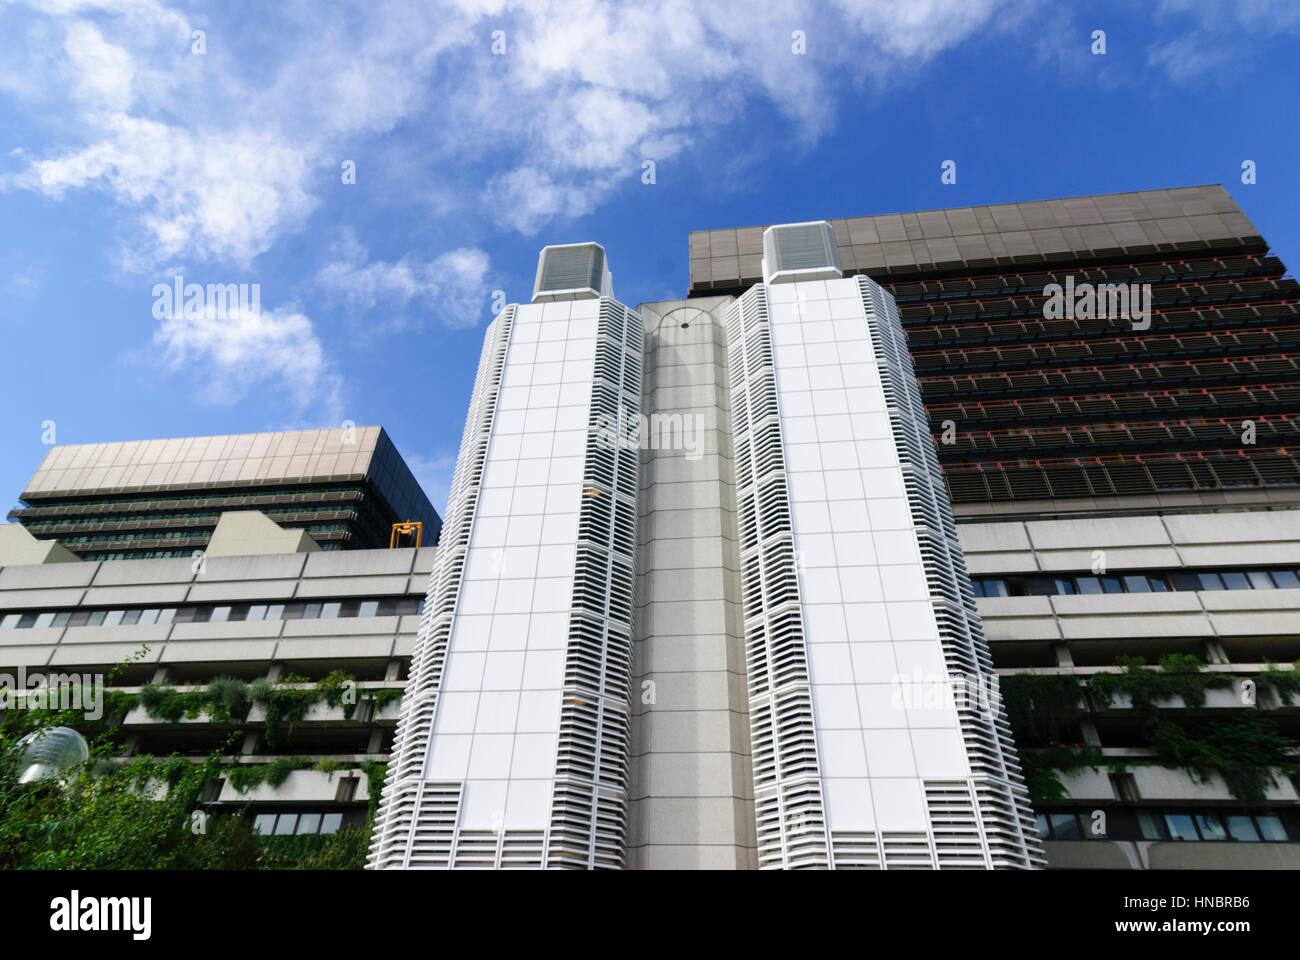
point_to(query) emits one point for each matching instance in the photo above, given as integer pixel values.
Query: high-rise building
(149, 499)
(835, 740)
(1110, 383)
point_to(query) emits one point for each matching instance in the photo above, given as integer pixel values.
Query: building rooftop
(1178, 220)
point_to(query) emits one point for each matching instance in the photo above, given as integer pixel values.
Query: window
(1089, 585)
(1270, 828)
(1210, 826)
(1211, 581)
(1181, 826)
(1235, 581)
(1044, 831)
(309, 823)
(1259, 580)
(1111, 585)
(1065, 826)
(264, 823)
(1242, 828)
(1137, 583)
(1152, 826)
(286, 824)
(331, 822)
(1285, 579)
(1065, 586)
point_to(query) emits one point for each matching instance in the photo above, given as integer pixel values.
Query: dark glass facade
(162, 498)
(1054, 413)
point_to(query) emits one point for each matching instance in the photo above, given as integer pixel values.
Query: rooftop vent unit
(572, 271)
(800, 251)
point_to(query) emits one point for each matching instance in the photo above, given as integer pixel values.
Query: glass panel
(309, 823)
(1259, 580)
(26, 621)
(238, 612)
(10, 621)
(165, 615)
(977, 588)
(220, 614)
(264, 823)
(1065, 586)
(275, 611)
(1181, 826)
(293, 611)
(113, 618)
(331, 822)
(286, 824)
(1211, 827)
(1042, 825)
(1088, 584)
(61, 619)
(1152, 826)
(256, 612)
(79, 618)
(349, 608)
(368, 608)
(202, 614)
(1065, 826)
(1157, 585)
(1270, 828)
(1242, 828)
(388, 608)
(311, 611)
(1235, 581)
(1185, 581)
(1111, 585)
(1285, 579)
(181, 615)
(96, 618)
(1137, 584)
(408, 605)
(1211, 581)
(131, 616)
(329, 611)
(44, 620)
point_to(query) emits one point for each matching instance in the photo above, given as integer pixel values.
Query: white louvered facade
(858, 614)
(803, 610)
(512, 750)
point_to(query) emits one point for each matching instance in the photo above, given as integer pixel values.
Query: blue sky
(126, 158)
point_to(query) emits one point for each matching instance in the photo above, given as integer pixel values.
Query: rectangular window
(1064, 586)
(61, 619)
(1152, 826)
(1181, 827)
(1111, 585)
(1137, 583)
(181, 614)
(977, 588)
(311, 611)
(275, 611)
(44, 620)
(1242, 828)
(1211, 827)
(1235, 581)
(96, 618)
(407, 606)
(349, 608)
(331, 822)
(131, 616)
(10, 621)
(309, 823)
(1088, 585)
(165, 615)
(220, 614)
(369, 608)
(1065, 826)
(1210, 581)
(1259, 580)
(286, 824)
(1157, 584)
(79, 618)
(264, 823)
(329, 611)
(293, 611)
(1270, 828)
(26, 621)
(113, 618)
(1043, 830)
(1285, 579)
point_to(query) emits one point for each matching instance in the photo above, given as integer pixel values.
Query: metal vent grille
(800, 251)
(574, 267)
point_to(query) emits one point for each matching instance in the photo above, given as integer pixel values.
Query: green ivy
(1285, 684)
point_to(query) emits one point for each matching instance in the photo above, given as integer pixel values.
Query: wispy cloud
(451, 289)
(244, 349)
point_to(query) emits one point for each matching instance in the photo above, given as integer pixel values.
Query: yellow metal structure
(402, 529)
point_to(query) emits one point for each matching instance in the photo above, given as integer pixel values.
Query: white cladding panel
(884, 725)
(498, 715)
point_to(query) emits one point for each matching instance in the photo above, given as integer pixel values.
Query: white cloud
(452, 288)
(245, 349)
